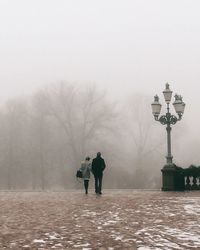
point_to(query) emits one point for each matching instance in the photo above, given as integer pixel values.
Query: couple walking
(96, 167)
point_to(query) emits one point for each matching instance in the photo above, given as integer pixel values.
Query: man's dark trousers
(98, 183)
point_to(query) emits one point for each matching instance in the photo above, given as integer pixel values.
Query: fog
(66, 63)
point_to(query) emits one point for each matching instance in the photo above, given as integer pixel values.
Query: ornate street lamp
(168, 119)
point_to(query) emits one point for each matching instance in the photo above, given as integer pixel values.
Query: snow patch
(82, 245)
(192, 209)
(39, 241)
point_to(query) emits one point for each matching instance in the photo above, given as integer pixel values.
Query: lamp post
(168, 171)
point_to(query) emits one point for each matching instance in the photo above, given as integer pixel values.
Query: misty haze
(78, 78)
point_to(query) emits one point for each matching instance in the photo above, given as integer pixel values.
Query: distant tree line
(45, 136)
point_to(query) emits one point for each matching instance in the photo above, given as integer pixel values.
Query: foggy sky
(124, 46)
(134, 44)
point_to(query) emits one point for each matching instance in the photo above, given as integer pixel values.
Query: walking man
(98, 166)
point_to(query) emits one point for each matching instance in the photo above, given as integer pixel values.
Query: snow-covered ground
(119, 219)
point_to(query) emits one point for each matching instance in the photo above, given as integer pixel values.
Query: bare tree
(16, 120)
(144, 138)
(82, 114)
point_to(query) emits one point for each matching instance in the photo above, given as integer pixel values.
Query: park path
(119, 219)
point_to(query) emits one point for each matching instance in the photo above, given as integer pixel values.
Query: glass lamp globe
(156, 106)
(167, 93)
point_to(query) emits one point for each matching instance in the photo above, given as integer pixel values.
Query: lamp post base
(168, 177)
(171, 178)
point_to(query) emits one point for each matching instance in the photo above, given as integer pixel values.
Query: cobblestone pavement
(119, 219)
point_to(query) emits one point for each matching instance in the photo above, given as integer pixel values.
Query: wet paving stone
(119, 219)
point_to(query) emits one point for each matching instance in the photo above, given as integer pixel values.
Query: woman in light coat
(85, 169)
